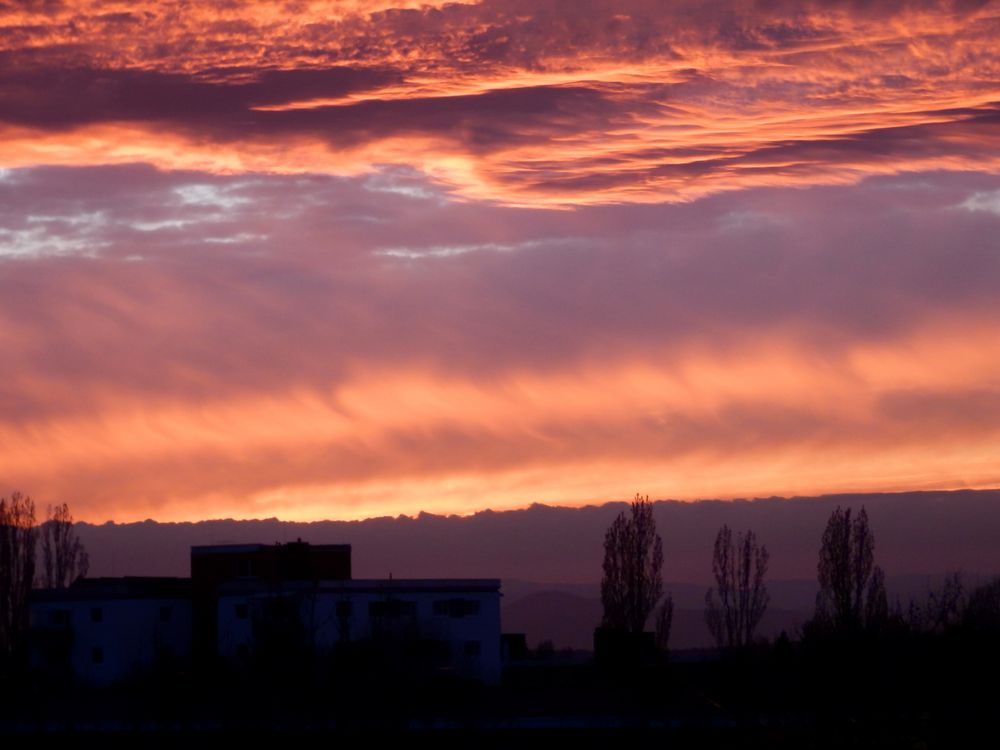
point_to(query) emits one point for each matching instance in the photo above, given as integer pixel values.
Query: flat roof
(373, 585)
(126, 587)
(226, 549)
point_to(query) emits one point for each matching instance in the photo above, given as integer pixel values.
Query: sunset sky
(345, 258)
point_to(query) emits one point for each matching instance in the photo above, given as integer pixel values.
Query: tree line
(851, 600)
(49, 555)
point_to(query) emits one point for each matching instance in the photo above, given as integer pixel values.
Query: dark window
(96, 614)
(58, 616)
(343, 609)
(392, 608)
(97, 655)
(242, 611)
(165, 612)
(456, 607)
(472, 648)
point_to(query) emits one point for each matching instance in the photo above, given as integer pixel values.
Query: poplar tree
(18, 537)
(735, 606)
(64, 558)
(633, 562)
(851, 587)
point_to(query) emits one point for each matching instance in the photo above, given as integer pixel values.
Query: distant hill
(915, 533)
(568, 614)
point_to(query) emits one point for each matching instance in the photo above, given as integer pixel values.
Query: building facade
(450, 626)
(105, 630)
(246, 603)
(266, 566)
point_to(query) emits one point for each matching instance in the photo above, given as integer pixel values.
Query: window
(242, 611)
(58, 617)
(392, 608)
(456, 607)
(96, 614)
(97, 655)
(165, 612)
(344, 609)
(472, 648)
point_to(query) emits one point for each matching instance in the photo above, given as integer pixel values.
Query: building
(246, 602)
(266, 566)
(104, 630)
(450, 626)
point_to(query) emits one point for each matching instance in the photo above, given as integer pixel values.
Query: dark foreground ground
(911, 693)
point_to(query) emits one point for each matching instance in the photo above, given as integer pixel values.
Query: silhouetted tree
(545, 650)
(943, 608)
(851, 587)
(633, 559)
(64, 558)
(664, 622)
(17, 570)
(982, 611)
(734, 608)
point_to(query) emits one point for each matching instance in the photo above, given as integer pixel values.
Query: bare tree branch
(64, 558)
(17, 570)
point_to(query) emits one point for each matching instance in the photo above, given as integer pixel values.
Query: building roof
(368, 586)
(229, 549)
(127, 587)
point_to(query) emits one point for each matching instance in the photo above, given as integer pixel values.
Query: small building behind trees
(63, 562)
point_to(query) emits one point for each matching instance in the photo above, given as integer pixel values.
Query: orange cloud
(766, 418)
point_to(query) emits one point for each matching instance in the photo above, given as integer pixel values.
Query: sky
(350, 258)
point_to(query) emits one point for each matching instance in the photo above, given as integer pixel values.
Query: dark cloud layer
(519, 103)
